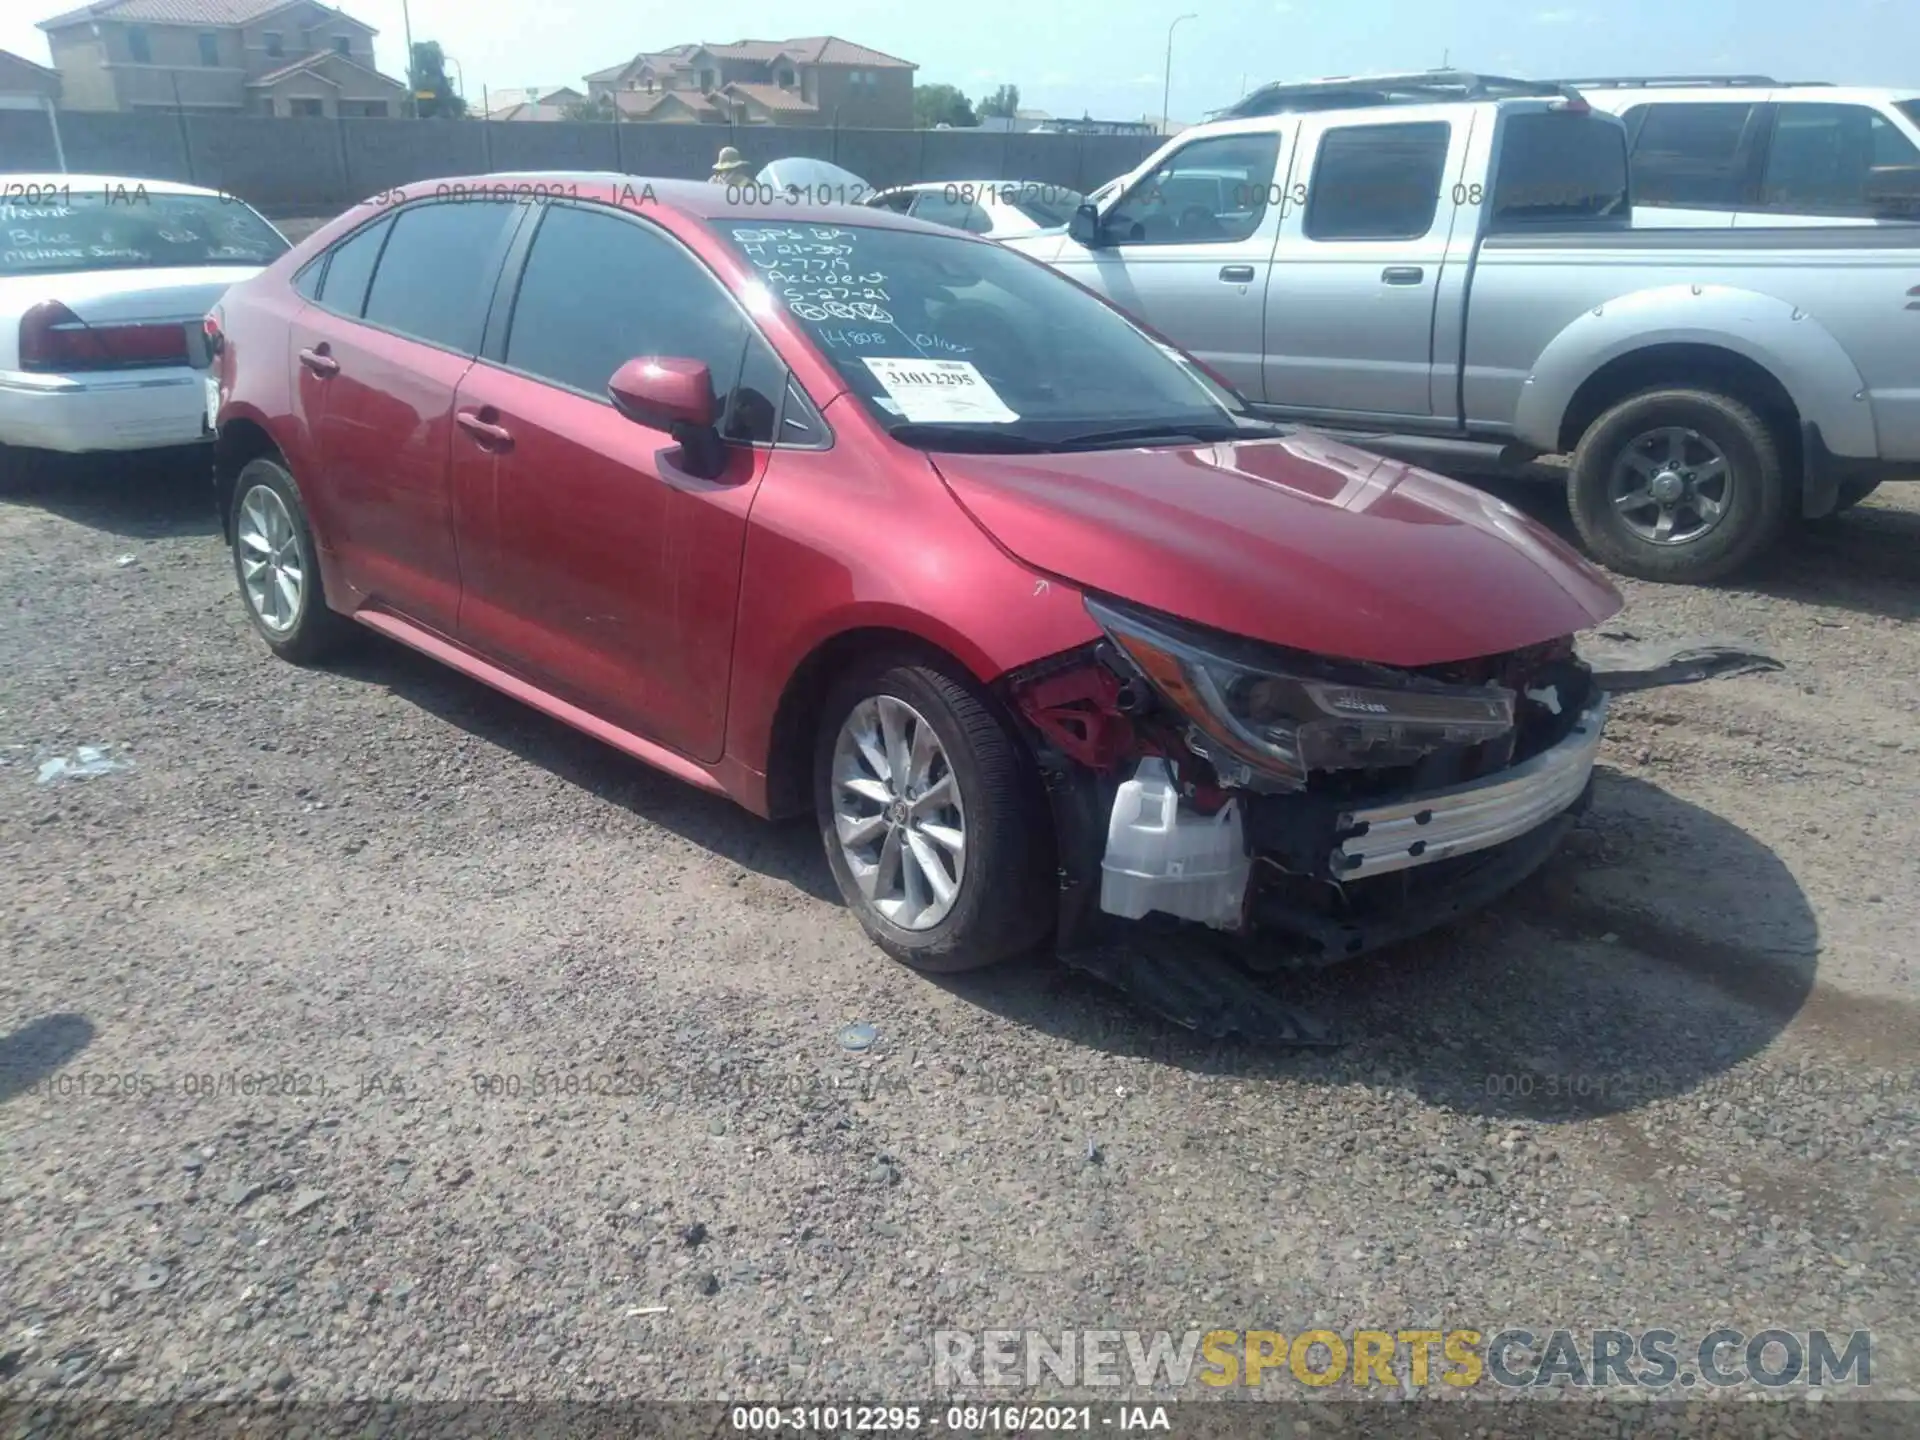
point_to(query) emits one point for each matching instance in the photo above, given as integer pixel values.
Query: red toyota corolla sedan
(826, 508)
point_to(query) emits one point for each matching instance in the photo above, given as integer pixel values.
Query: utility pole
(1166, 91)
(413, 97)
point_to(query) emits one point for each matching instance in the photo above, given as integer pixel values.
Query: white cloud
(1283, 7)
(1556, 17)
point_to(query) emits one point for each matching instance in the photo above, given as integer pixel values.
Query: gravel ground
(1668, 1082)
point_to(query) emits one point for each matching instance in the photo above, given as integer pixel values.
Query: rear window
(1560, 166)
(129, 228)
(437, 271)
(1690, 155)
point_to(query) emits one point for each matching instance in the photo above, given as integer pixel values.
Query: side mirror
(674, 395)
(1893, 192)
(1084, 227)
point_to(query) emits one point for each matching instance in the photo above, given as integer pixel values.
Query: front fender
(1817, 373)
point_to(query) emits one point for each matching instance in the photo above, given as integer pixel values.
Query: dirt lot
(1670, 1082)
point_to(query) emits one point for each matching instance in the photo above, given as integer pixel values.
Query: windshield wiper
(1175, 433)
(979, 438)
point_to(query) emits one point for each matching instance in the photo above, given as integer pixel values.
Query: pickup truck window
(1377, 182)
(1211, 191)
(1823, 157)
(1689, 155)
(1558, 168)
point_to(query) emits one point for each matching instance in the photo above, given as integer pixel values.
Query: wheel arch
(242, 438)
(789, 761)
(1681, 365)
(1785, 360)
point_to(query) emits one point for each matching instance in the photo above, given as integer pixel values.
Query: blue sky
(1069, 56)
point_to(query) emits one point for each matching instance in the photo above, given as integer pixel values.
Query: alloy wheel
(1671, 486)
(897, 813)
(272, 569)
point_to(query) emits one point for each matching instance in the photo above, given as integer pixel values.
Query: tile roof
(309, 62)
(807, 50)
(832, 50)
(180, 12)
(772, 97)
(642, 103)
(528, 111)
(508, 96)
(9, 57)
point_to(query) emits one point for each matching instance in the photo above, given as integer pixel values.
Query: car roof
(106, 182)
(1627, 96)
(987, 186)
(696, 199)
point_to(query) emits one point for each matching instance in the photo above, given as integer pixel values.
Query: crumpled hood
(1299, 541)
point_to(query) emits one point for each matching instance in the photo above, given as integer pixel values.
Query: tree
(429, 73)
(1004, 102)
(940, 105)
(599, 108)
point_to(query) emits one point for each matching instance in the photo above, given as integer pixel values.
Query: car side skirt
(448, 653)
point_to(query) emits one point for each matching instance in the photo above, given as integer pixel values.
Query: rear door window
(343, 287)
(1559, 167)
(600, 290)
(1822, 158)
(438, 269)
(1377, 182)
(1690, 156)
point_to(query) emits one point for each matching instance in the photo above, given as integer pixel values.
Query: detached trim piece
(1476, 816)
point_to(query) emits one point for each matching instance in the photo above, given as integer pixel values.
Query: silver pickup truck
(1443, 267)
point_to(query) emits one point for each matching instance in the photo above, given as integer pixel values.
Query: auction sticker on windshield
(940, 391)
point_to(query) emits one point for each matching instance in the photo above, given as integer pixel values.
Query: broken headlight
(1284, 713)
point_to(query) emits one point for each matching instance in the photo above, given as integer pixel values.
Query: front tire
(1679, 485)
(276, 562)
(932, 818)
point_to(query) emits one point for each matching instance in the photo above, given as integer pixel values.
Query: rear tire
(920, 789)
(277, 564)
(1703, 467)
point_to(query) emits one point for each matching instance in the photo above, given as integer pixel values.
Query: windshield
(954, 343)
(1909, 108)
(129, 228)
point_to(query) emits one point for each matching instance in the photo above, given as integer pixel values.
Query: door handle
(1403, 274)
(488, 436)
(1236, 274)
(319, 361)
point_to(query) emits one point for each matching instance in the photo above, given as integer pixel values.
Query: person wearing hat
(729, 168)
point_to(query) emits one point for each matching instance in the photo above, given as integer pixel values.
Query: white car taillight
(53, 338)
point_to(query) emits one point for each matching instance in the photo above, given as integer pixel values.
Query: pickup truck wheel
(1680, 485)
(933, 821)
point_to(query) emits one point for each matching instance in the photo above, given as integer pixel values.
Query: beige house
(25, 85)
(254, 57)
(816, 80)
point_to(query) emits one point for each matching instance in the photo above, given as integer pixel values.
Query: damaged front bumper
(1426, 829)
(1148, 824)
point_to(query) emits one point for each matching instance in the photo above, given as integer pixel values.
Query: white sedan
(101, 277)
(994, 208)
